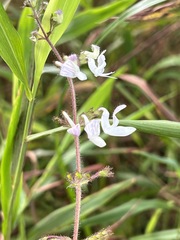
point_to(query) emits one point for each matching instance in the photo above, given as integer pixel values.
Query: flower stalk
(69, 68)
(76, 138)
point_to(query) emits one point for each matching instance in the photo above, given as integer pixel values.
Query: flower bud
(58, 17)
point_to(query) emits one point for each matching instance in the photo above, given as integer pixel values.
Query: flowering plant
(43, 38)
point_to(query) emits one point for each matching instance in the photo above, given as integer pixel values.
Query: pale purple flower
(113, 129)
(71, 69)
(97, 66)
(92, 128)
(75, 128)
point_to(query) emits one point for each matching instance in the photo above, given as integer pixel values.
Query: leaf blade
(162, 128)
(11, 50)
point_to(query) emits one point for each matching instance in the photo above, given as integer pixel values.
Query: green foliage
(11, 50)
(62, 219)
(87, 20)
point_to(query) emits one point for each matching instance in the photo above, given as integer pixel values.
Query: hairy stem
(78, 189)
(77, 212)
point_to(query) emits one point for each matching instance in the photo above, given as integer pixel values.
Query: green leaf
(116, 213)
(136, 8)
(154, 158)
(62, 219)
(172, 234)
(45, 133)
(42, 48)
(6, 163)
(157, 127)
(11, 50)
(87, 20)
(26, 26)
(172, 61)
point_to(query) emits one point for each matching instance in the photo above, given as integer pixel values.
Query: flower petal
(92, 65)
(120, 131)
(114, 129)
(76, 130)
(105, 119)
(102, 60)
(97, 68)
(70, 121)
(116, 110)
(94, 54)
(72, 70)
(98, 141)
(81, 76)
(92, 129)
(73, 58)
(69, 69)
(107, 75)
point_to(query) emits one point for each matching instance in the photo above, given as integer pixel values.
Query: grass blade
(11, 50)
(162, 128)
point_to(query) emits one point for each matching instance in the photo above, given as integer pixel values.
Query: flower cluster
(93, 127)
(96, 63)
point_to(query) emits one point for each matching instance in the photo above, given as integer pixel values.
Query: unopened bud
(34, 36)
(106, 172)
(58, 17)
(78, 179)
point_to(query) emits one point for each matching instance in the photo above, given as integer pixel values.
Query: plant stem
(78, 189)
(78, 163)
(46, 38)
(18, 171)
(77, 212)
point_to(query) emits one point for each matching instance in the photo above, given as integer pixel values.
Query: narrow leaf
(11, 50)
(172, 234)
(157, 127)
(172, 61)
(116, 213)
(6, 163)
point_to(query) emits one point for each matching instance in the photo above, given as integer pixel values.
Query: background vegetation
(144, 193)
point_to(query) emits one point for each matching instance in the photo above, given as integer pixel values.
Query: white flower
(97, 66)
(71, 69)
(75, 128)
(94, 54)
(114, 129)
(92, 129)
